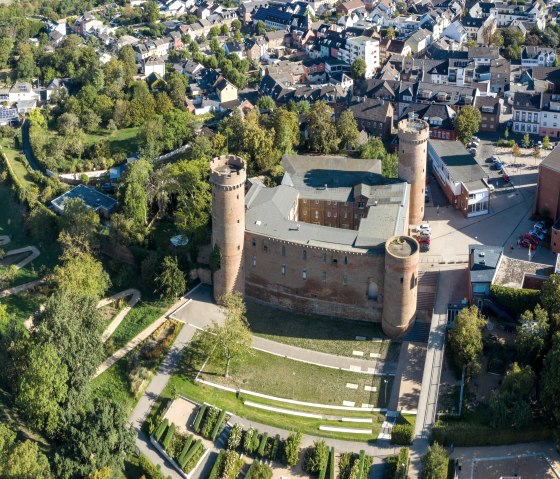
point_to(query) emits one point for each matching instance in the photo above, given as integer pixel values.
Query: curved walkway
(26, 249)
(135, 297)
(20, 288)
(4, 239)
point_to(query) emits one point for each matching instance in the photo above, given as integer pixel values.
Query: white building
(537, 56)
(365, 48)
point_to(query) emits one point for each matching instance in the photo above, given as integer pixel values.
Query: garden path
(135, 297)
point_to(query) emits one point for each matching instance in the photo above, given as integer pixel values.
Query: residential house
(350, 6)
(93, 199)
(483, 55)
(234, 48)
(506, 13)
(418, 41)
(439, 117)
(22, 91)
(484, 261)
(226, 91)
(490, 109)
(456, 32)
(479, 29)
(153, 65)
(374, 116)
(532, 56)
(364, 48)
(527, 114)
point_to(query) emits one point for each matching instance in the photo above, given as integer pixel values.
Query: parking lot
(509, 212)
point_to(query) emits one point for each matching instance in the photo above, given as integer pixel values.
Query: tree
(536, 153)
(434, 463)
(151, 12)
(526, 140)
(135, 201)
(321, 128)
(171, 281)
(358, 69)
(291, 450)
(286, 130)
(265, 103)
(260, 28)
(43, 388)
(506, 133)
(374, 149)
(26, 461)
(6, 47)
(515, 150)
(79, 222)
(347, 129)
(98, 438)
(467, 123)
(316, 457)
(177, 90)
(81, 274)
(531, 335)
(546, 142)
(67, 123)
(232, 339)
(550, 296)
(389, 33)
(465, 340)
(550, 379)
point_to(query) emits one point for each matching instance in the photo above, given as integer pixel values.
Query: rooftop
(92, 198)
(483, 261)
(511, 271)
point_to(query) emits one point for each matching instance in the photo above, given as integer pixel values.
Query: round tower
(402, 254)
(413, 152)
(227, 176)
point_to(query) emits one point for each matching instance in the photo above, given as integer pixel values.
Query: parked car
(474, 144)
(424, 247)
(540, 225)
(527, 244)
(537, 234)
(498, 165)
(475, 138)
(493, 158)
(505, 177)
(472, 151)
(424, 228)
(539, 144)
(532, 239)
(422, 239)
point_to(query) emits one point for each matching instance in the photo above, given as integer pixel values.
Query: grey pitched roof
(483, 262)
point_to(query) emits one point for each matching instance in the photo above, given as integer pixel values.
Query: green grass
(120, 141)
(138, 319)
(17, 161)
(277, 376)
(21, 306)
(319, 333)
(12, 223)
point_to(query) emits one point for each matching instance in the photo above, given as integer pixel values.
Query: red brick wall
(336, 285)
(548, 192)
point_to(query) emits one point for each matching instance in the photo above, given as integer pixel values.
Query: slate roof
(527, 101)
(371, 110)
(483, 261)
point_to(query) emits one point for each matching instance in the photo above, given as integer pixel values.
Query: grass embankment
(17, 161)
(120, 141)
(319, 333)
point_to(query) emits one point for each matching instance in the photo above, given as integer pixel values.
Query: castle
(331, 239)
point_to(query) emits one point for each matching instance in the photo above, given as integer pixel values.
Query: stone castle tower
(227, 177)
(402, 254)
(413, 153)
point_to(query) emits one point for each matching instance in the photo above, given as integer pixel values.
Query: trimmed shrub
(252, 467)
(397, 466)
(355, 470)
(345, 464)
(218, 426)
(189, 465)
(149, 471)
(258, 470)
(316, 457)
(248, 440)
(186, 448)
(234, 438)
(362, 463)
(168, 436)
(192, 451)
(291, 450)
(161, 429)
(232, 465)
(331, 464)
(275, 453)
(516, 301)
(209, 421)
(255, 443)
(402, 434)
(198, 420)
(467, 434)
(262, 446)
(217, 465)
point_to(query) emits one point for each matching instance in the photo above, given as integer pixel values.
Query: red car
(527, 244)
(422, 239)
(505, 177)
(531, 239)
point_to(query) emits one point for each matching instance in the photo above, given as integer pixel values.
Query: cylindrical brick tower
(402, 254)
(228, 176)
(413, 152)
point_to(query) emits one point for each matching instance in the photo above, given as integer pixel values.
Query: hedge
(516, 301)
(161, 429)
(255, 442)
(218, 424)
(252, 467)
(217, 464)
(361, 470)
(468, 434)
(198, 420)
(194, 448)
(331, 464)
(509, 143)
(185, 449)
(275, 453)
(262, 445)
(209, 421)
(168, 436)
(402, 434)
(148, 469)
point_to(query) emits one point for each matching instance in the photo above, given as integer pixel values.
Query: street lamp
(385, 381)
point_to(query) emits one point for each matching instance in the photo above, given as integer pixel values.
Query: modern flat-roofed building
(463, 181)
(97, 201)
(483, 264)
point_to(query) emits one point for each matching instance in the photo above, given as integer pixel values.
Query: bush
(316, 457)
(160, 430)
(248, 440)
(345, 464)
(218, 426)
(402, 434)
(362, 464)
(291, 450)
(192, 451)
(275, 453)
(255, 443)
(232, 465)
(198, 420)
(192, 461)
(209, 421)
(234, 439)
(397, 466)
(262, 445)
(168, 436)
(516, 301)
(331, 464)
(467, 434)
(508, 143)
(186, 448)
(258, 470)
(149, 471)
(217, 465)
(435, 463)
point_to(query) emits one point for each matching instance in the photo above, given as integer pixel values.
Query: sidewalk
(20, 288)
(119, 317)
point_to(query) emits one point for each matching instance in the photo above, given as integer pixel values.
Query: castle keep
(331, 239)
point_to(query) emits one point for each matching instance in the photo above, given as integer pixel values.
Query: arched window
(372, 291)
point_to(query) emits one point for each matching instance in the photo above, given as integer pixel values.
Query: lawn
(319, 333)
(277, 376)
(18, 165)
(120, 141)
(138, 319)
(22, 306)
(12, 223)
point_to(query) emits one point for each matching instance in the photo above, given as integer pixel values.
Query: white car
(540, 226)
(475, 138)
(424, 229)
(537, 234)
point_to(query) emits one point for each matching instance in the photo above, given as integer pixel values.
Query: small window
(254, 261)
(283, 270)
(283, 250)
(324, 276)
(324, 257)
(304, 274)
(346, 260)
(265, 247)
(304, 254)
(345, 280)
(254, 242)
(402, 280)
